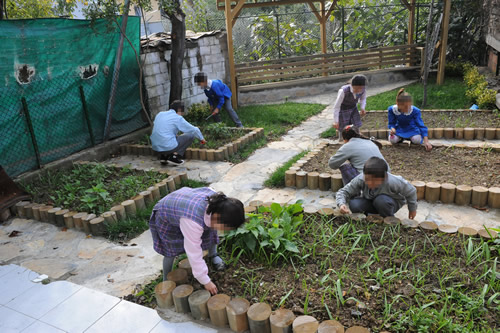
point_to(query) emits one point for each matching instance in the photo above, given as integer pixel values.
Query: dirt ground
(457, 166)
(455, 119)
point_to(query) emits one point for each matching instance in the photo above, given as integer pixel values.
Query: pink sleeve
(192, 233)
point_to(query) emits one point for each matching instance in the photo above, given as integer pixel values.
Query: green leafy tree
(26, 9)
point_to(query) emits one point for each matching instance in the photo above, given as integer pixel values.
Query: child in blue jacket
(218, 95)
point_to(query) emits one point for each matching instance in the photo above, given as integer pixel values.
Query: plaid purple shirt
(349, 114)
(165, 220)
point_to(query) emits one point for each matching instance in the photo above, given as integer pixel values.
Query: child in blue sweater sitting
(405, 122)
(218, 95)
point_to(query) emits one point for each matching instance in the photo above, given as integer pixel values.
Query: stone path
(62, 306)
(116, 269)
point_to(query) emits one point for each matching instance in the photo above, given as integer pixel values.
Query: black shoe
(164, 158)
(175, 160)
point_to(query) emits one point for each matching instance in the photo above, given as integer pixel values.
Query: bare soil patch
(459, 166)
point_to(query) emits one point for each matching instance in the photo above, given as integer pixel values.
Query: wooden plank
(309, 73)
(264, 4)
(406, 4)
(236, 11)
(230, 51)
(314, 10)
(444, 42)
(321, 65)
(290, 59)
(330, 9)
(321, 58)
(411, 26)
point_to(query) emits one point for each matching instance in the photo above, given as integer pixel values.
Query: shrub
(456, 68)
(197, 113)
(218, 131)
(477, 88)
(487, 99)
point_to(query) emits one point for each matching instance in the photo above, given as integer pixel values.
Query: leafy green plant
(477, 88)
(197, 113)
(270, 235)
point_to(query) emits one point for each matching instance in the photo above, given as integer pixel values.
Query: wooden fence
(259, 72)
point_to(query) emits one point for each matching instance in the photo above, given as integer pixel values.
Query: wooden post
(444, 41)
(188, 154)
(119, 211)
(219, 155)
(163, 292)
(148, 198)
(171, 184)
(337, 182)
(331, 326)
(305, 324)
(217, 309)
(179, 276)
(301, 179)
(52, 214)
(44, 213)
(28, 210)
(86, 223)
(428, 225)
(36, 212)
(77, 220)
(290, 178)
(392, 220)
(420, 186)
(195, 154)
(312, 180)
(490, 133)
(110, 217)
(432, 191)
(250, 209)
(210, 155)
(469, 133)
(463, 194)
(281, 321)
(447, 195)
(459, 133)
(449, 133)
(20, 208)
(237, 314)
(438, 133)
(140, 203)
(467, 231)
(258, 318)
(357, 329)
(494, 197)
(177, 180)
(382, 134)
(479, 196)
(59, 216)
(184, 264)
(180, 295)
(97, 226)
(198, 304)
(155, 192)
(488, 234)
(68, 219)
(231, 16)
(411, 28)
(325, 182)
(130, 208)
(163, 188)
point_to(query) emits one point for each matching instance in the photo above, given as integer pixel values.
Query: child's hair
(403, 96)
(231, 210)
(351, 131)
(376, 167)
(176, 105)
(358, 80)
(200, 77)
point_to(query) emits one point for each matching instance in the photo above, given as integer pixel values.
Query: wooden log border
(173, 181)
(303, 177)
(219, 154)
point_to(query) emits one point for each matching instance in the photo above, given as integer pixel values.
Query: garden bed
(458, 166)
(360, 273)
(457, 124)
(98, 199)
(222, 143)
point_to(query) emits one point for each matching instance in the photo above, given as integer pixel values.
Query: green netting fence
(56, 77)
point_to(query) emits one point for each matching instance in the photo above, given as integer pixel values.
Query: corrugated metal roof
(164, 38)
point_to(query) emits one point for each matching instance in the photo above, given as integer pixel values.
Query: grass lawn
(276, 119)
(277, 178)
(451, 95)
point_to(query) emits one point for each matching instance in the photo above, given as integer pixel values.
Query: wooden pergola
(233, 8)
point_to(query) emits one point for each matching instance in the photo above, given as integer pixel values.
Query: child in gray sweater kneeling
(376, 191)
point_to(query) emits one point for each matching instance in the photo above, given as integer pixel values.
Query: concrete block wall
(207, 54)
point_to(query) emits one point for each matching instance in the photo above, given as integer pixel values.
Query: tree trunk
(1, 9)
(177, 18)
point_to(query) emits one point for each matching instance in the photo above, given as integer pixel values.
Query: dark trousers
(229, 108)
(383, 205)
(348, 172)
(183, 142)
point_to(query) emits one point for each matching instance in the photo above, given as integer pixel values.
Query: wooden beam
(406, 4)
(411, 25)
(444, 41)
(315, 11)
(271, 3)
(230, 51)
(237, 10)
(330, 10)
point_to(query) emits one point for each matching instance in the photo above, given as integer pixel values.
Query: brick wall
(207, 54)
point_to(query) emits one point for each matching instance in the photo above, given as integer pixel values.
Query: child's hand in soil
(203, 142)
(393, 130)
(411, 215)
(216, 110)
(336, 125)
(427, 144)
(363, 112)
(211, 287)
(344, 209)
